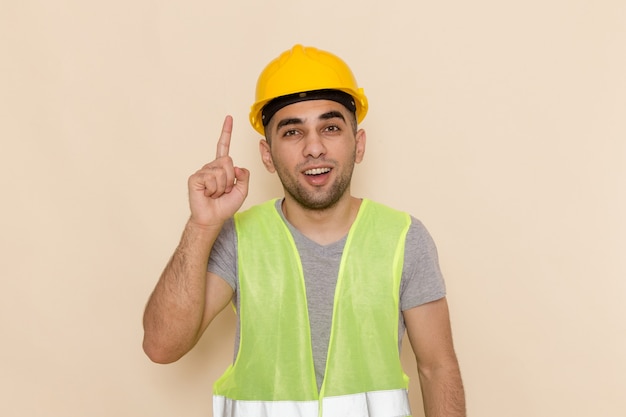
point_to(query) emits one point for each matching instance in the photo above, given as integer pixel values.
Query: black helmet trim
(270, 109)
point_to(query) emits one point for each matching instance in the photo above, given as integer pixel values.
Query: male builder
(324, 283)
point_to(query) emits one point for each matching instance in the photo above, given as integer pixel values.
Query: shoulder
(255, 212)
(383, 217)
(422, 280)
(419, 230)
(376, 206)
(419, 241)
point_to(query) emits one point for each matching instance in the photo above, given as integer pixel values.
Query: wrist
(203, 228)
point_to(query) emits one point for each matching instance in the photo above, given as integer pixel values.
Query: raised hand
(219, 188)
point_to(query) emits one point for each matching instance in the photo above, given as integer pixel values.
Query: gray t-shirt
(421, 282)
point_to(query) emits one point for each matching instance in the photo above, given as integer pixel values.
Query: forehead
(309, 110)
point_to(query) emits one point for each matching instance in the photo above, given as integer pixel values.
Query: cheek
(348, 153)
(281, 156)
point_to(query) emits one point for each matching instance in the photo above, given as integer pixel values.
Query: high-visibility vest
(273, 373)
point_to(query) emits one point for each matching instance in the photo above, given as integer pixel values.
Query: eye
(290, 132)
(332, 129)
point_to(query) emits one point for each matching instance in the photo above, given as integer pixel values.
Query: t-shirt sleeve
(223, 257)
(422, 280)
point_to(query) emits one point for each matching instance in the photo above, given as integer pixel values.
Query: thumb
(242, 176)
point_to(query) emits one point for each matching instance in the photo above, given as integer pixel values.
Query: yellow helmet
(302, 70)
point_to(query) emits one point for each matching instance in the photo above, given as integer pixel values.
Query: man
(324, 283)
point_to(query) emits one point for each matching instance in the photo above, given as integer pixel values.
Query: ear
(266, 155)
(360, 145)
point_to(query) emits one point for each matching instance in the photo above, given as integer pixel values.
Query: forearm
(442, 391)
(174, 313)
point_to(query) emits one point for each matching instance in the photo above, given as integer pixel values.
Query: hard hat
(300, 70)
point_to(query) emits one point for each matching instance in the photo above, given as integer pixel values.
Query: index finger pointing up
(223, 144)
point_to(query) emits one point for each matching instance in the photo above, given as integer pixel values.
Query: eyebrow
(297, 121)
(332, 115)
(289, 121)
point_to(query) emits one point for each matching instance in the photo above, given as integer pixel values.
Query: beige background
(501, 125)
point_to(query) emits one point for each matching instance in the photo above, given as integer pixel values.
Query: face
(313, 150)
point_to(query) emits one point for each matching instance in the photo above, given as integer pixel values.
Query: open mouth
(317, 171)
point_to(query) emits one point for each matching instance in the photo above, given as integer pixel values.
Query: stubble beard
(317, 199)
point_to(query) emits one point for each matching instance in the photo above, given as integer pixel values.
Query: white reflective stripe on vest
(392, 403)
(227, 407)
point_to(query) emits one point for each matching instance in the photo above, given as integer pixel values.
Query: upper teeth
(317, 171)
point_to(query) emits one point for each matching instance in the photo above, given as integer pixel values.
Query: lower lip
(317, 180)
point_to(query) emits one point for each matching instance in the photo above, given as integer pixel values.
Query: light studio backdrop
(501, 125)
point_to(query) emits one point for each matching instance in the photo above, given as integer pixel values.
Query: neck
(323, 226)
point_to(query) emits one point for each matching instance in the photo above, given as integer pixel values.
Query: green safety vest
(273, 373)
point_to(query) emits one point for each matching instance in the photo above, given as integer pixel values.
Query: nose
(314, 145)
